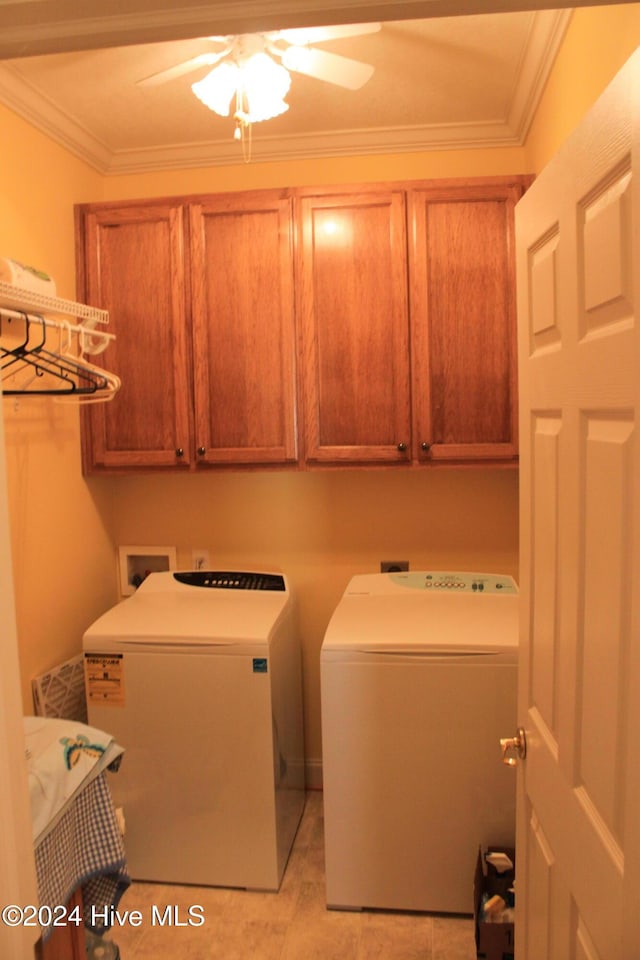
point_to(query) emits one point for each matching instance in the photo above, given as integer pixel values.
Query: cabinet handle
(179, 452)
(402, 447)
(425, 447)
(201, 451)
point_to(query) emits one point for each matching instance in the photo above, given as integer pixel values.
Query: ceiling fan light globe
(297, 58)
(261, 70)
(265, 109)
(218, 88)
(257, 85)
(264, 86)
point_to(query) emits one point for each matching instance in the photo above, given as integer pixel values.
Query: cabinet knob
(425, 447)
(179, 452)
(201, 451)
(402, 447)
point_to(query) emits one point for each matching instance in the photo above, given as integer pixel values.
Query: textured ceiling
(440, 82)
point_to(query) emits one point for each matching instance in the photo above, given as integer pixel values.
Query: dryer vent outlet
(393, 566)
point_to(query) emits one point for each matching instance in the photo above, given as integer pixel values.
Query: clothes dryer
(418, 684)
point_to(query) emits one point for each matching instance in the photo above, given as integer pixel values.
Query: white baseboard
(313, 774)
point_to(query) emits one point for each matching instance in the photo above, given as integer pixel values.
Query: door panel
(464, 319)
(355, 327)
(542, 878)
(578, 296)
(243, 329)
(544, 612)
(603, 634)
(134, 269)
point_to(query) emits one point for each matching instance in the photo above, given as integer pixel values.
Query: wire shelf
(23, 300)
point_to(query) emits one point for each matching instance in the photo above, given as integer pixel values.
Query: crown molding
(548, 28)
(59, 126)
(43, 114)
(547, 31)
(315, 146)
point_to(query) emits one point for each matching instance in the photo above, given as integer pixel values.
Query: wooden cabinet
(354, 324)
(243, 329)
(200, 297)
(393, 342)
(463, 319)
(407, 309)
(133, 266)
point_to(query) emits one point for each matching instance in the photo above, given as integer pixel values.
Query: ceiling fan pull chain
(247, 135)
(243, 127)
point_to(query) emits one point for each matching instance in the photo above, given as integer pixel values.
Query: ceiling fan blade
(305, 35)
(330, 67)
(202, 60)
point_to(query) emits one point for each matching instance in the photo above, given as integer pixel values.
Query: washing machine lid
(223, 611)
(431, 612)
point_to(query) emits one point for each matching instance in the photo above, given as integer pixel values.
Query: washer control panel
(231, 580)
(438, 580)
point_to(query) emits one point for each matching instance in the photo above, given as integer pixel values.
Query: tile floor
(293, 924)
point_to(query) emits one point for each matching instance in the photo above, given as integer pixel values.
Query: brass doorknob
(514, 748)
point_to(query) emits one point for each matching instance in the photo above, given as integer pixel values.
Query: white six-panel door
(578, 252)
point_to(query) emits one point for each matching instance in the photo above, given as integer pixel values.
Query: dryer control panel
(437, 580)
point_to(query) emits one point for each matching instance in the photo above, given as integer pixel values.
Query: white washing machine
(418, 684)
(198, 676)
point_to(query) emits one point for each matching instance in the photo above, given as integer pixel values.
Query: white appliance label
(104, 678)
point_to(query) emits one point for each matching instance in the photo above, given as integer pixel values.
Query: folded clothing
(62, 757)
(26, 278)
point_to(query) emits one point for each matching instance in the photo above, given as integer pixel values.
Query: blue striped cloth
(84, 849)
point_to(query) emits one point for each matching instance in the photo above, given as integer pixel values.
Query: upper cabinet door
(133, 267)
(464, 319)
(352, 289)
(243, 329)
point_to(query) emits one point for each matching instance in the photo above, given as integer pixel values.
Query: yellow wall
(597, 43)
(320, 527)
(403, 166)
(61, 544)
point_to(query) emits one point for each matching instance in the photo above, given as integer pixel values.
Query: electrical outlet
(393, 566)
(200, 559)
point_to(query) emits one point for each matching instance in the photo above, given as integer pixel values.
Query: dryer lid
(431, 581)
(383, 613)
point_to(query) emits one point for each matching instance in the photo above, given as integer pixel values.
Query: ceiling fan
(270, 56)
